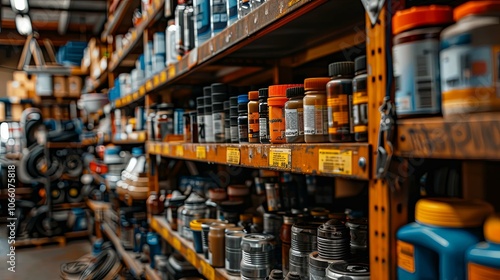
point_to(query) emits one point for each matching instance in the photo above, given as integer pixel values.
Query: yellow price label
(149, 85)
(171, 71)
(134, 35)
(163, 76)
(280, 158)
(207, 270)
(118, 103)
(135, 95)
(233, 155)
(142, 90)
(179, 151)
(192, 257)
(201, 152)
(165, 233)
(335, 161)
(176, 243)
(129, 98)
(166, 150)
(156, 80)
(158, 149)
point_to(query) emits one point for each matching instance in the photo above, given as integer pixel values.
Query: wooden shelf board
(117, 18)
(64, 145)
(98, 205)
(137, 32)
(465, 136)
(185, 248)
(326, 159)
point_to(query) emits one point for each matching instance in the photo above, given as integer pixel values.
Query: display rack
(186, 249)
(118, 19)
(347, 160)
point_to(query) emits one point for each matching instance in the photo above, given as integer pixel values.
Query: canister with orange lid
(469, 58)
(339, 101)
(434, 246)
(483, 260)
(276, 102)
(315, 110)
(416, 58)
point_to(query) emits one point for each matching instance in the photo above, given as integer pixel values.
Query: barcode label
(291, 122)
(424, 86)
(335, 161)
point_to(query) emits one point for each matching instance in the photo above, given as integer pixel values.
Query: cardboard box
(20, 76)
(60, 86)
(16, 111)
(16, 89)
(74, 86)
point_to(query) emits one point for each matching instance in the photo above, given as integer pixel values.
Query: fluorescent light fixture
(23, 24)
(19, 6)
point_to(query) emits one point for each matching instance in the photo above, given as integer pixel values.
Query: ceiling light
(23, 24)
(19, 6)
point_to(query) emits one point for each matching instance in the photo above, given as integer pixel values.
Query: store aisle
(39, 263)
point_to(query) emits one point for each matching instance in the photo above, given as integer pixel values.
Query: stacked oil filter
(233, 250)
(355, 270)
(333, 245)
(304, 242)
(257, 256)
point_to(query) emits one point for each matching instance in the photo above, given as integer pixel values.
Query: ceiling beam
(40, 25)
(92, 9)
(12, 38)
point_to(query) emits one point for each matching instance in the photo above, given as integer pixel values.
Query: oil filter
(257, 256)
(205, 229)
(333, 240)
(233, 249)
(276, 274)
(359, 236)
(318, 266)
(353, 270)
(304, 242)
(272, 223)
(293, 276)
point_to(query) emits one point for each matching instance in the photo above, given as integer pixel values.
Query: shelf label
(233, 155)
(163, 76)
(280, 158)
(158, 149)
(166, 150)
(176, 243)
(118, 103)
(129, 98)
(166, 234)
(142, 90)
(335, 161)
(201, 152)
(192, 257)
(156, 80)
(179, 151)
(207, 270)
(149, 85)
(134, 35)
(171, 71)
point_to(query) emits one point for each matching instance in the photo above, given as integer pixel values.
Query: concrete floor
(39, 263)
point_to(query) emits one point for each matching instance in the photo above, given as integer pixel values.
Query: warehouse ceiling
(57, 20)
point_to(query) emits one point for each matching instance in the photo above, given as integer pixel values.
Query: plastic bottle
(276, 104)
(244, 8)
(218, 122)
(263, 116)
(220, 15)
(179, 21)
(339, 100)
(170, 44)
(294, 115)
(434, 246)
(483, 260)
(189, 27)
(315, 110)
(253, 117)
(227, 122)
(416, 59)
(232, 8)
(233, 111)
(360, 100)
(469, 59)
(243, 118)
(203, 16)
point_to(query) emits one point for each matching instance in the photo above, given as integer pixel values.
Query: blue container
(232, 11)
(483, 260)
(220, 15)
(202, 18)
(154, 247)
(195, 226)
(434, 246)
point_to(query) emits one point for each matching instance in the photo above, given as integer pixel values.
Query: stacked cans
(233, 250)
(233, 119)
(159, 51)
(304, 242)
(333, 245)
(257, 256)
(359, 236)
(355, 270)
(219, 96)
